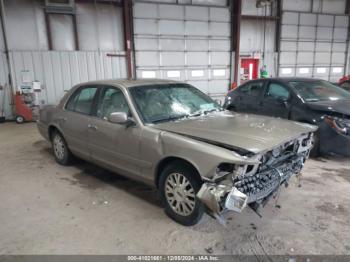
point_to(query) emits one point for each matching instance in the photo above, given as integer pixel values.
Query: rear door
(75, 119)
(276, 100)
(248, 97)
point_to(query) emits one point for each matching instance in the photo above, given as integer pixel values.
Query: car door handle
(92, 127)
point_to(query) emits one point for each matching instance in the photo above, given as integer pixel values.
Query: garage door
(183, 42)
(313, 45)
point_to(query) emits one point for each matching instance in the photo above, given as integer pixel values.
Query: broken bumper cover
(243, 190)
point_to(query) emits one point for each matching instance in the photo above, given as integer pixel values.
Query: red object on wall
(343, 79)
(22, 109)
(249, 69)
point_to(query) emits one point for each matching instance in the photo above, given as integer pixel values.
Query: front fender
(203, 156)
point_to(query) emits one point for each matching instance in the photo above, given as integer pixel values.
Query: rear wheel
(60, 150)
(178, 188)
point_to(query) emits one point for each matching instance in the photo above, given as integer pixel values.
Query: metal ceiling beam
(6, 46)
(236, 17)
(128, 36)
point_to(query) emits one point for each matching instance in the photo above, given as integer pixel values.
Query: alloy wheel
(59, 147)
(180, 194)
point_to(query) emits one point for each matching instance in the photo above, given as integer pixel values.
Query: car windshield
(167, 102)
(319, 90)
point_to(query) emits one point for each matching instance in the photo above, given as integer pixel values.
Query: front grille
(260, 185)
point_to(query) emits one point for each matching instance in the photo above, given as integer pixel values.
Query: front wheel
(178, 188)
(60, 149)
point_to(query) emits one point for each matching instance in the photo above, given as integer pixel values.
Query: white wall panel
(170, 44)
(307, 19)
(219, 29)
(172, 12)
(307, 32)
(325, 51)
(323, 58)
(170, 27)
(297, 5)
(196, 13)
(194, 28)
(219, 14)
(25, 25)
(173, 59)
(183, 42)
(62, 32)
(197, 45)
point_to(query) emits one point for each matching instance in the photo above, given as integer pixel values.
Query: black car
(305, 100)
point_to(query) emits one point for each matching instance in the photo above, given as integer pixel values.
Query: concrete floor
(50, 209)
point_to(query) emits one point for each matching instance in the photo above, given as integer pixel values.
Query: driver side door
(114, 145)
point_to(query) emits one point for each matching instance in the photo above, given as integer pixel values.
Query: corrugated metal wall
(100, 32)
(58, 71)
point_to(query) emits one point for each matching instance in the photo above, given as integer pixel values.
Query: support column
(128, 37)
(236, 16)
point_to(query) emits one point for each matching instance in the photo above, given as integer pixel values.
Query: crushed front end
(233, 187)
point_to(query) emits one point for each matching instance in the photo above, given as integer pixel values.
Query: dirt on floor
(46, 208)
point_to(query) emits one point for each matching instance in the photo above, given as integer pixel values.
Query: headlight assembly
(338, 124)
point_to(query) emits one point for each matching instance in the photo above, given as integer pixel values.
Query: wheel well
(166, 161)
(51, 130)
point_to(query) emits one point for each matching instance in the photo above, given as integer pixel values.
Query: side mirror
(120, 118)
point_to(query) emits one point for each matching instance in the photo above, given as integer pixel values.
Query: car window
(81, 101)
(277, 91)
(168, 102)
(252, 89)
(319, 90)
(112, 100)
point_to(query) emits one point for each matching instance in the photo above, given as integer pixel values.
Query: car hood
(336, 106)
(244, 132)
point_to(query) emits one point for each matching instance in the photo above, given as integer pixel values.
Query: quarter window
(81, 101)
(252, 89)
(277, 91)
(112, 100)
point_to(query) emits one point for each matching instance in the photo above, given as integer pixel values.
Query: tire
(62, 154)
(19, 119)
(315, 151)
(185, 212)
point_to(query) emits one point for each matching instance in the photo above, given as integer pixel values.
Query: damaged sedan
(172, 136)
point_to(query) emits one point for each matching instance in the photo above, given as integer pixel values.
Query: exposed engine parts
(254, 184)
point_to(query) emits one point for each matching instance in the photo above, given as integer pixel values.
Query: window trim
(102, 89)
(77, 91)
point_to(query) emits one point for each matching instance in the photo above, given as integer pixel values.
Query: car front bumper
(255, 189)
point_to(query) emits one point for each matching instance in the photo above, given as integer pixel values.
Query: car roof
(130, 83)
